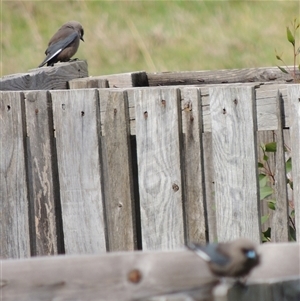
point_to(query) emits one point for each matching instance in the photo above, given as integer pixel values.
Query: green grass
(123, 36)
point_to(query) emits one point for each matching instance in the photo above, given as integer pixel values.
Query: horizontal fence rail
(90, 170)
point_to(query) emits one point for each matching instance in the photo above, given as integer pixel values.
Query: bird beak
(82, 39)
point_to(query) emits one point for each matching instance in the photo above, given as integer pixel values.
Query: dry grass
(127, 36)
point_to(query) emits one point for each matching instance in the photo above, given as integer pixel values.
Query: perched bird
(231, 259)
(64, 44)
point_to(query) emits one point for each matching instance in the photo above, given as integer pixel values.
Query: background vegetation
(123, 36)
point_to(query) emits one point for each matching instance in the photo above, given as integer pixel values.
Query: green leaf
(266, 158)
(265, 191)
(260, 165)
(290, 36)
(271, 204)
(292, 214)
(288, 165)
(271, 147)
(262, 178)
(282, 69)
(266, 235)
(264, 218)
(292, 234)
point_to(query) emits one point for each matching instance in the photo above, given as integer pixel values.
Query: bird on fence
(64, 44)
(232, 259)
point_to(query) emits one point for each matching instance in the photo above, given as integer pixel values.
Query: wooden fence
(88, 170)
(145, 161)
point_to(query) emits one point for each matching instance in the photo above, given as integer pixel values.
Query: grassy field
(123, 36)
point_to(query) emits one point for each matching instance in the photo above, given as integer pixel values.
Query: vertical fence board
(77, 130)
(209, 175)
(158, 150)
(280, 222)
(14, 229)
(42, 181)
(119, 198)
(235, 162)
(193, 164)
(294, 100)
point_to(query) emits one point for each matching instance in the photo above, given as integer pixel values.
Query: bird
(64, 43)
(229, 259)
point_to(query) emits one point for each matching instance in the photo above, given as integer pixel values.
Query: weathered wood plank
(264, 74)
(235, 160)
(142, 275)
(46, 78)
(88, 82)
(44, 196)
(193, 165)
(158, 126)
(126, 80)
(14, 220)
(118, 182)
(77, 131)
(112, 276)
(280, 222)
(294, 101)
(209, 177)
(265, 106)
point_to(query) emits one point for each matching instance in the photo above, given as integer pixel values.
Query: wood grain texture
(14, 238)
(266, 95)
(43, 183)
(46, 78)
(88, 82)
(118, 182)
(280, 221)
(158, 125)
(112, 276)
(209, 180)
(235, 162)
(193, 165)
(126, 80)
(294, 101)
(77, 131)
(144, 275)
(264, 74)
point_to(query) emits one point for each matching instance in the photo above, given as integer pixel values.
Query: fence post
(14, 229)
(294, 100)
(233, 117)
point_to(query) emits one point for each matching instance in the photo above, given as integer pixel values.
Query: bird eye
(250, 253)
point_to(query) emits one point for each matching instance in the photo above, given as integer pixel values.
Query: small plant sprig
(266, 183)
(291, 34)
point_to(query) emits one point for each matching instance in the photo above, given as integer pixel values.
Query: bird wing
(55, 48)
(209, 253)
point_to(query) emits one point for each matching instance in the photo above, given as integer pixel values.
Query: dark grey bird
(231, 259)
(64, 44)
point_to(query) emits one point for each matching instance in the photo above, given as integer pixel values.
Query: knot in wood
(36, 111)
(224, 111)
(145, 114)
(235, 101)
(8, 108)
(134, 276)
(163, 102)
(82, 113)
(115, 111)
